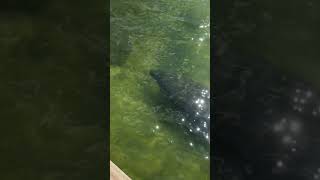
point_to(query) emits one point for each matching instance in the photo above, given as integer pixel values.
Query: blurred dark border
(55, 89)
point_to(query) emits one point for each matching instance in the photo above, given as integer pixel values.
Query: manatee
(190, 98)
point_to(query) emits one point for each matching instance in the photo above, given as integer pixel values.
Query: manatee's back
(188, 96)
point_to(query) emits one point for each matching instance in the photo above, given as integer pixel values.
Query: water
(145, 35)
(273, 32)
(283, 35)
(52, 91)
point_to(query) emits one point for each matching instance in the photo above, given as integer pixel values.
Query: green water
(52, 91)
(146, 34)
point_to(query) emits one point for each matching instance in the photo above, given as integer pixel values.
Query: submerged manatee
(192, 99)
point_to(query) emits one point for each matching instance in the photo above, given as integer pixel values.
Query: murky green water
(146, 34)
(52, 91)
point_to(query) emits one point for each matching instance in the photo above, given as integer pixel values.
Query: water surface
(145, 35)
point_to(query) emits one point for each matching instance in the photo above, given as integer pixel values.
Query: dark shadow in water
(172, 116)
(252, 98)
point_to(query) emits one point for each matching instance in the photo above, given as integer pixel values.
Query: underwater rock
(190, 98)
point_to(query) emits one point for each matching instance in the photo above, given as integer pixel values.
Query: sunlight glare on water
(145, 35)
